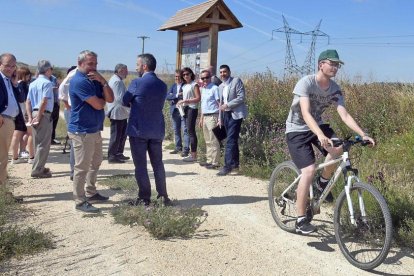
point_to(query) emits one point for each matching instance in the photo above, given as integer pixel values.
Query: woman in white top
(191, 98)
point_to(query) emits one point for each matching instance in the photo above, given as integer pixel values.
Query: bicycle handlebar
(347, 141)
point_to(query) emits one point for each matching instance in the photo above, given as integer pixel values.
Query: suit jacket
(236, 98)
(146, 97)
(172, 97)
(4, 101)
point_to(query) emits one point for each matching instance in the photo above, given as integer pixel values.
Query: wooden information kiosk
(198, 28)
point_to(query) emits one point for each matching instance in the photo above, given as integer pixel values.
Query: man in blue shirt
(210, 99)
(39, 106)
(88, 92)
(146, 128)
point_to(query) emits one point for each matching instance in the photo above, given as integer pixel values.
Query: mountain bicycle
(362, 220)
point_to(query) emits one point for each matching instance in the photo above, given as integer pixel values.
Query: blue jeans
(66, 114)
(232, 155)
(139, 148)
(178, 123)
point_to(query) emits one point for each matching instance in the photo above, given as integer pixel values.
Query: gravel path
(238, 238)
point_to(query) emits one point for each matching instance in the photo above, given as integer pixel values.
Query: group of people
(137, 112)
(223, 105)
(28, 115)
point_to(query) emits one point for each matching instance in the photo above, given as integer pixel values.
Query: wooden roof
(201, 16)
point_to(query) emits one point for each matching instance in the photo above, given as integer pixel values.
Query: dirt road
(238, 238)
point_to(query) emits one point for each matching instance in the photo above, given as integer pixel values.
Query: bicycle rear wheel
(366, 243)
(283, 206)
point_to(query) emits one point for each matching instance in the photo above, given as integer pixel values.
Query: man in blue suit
(146, 128)
(233, 109)
(175, 93)
(11, 116)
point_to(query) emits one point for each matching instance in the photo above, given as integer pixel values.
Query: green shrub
(16, 242)
(161, 221)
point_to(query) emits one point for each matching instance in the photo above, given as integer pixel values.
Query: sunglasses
(186, 74)
(204, 78)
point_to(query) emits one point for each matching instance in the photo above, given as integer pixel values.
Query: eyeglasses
(333, 64)
(186, 74)
(205, 78)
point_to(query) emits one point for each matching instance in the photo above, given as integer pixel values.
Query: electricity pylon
(291, 67)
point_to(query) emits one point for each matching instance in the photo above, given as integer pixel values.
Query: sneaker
(189, 159)
(30, 160)
(18, 161)
(175, 151)
(55, 142)
(86, 207)
(304, 227)
(139, 202)
(185, 154)
(122, 157)
(97, 197)
(24, 154)
(224, 171)
(205, 164)
(42, 175)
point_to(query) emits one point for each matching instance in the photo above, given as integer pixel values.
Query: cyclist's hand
(367, 138)
(325, 141)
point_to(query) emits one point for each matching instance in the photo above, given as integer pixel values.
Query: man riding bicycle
(313, 94)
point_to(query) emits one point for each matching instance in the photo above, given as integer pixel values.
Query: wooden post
(213, 42)
(179, 46)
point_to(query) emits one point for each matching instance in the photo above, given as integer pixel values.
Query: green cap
(331, 55)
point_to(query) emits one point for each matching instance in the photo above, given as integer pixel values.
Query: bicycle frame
(344, 167)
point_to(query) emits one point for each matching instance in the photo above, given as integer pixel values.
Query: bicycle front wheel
(282, 201)
(365, 243)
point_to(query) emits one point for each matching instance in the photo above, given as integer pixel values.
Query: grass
(160, 221)
(16, 241)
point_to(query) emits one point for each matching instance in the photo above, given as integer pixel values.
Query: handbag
(220, 132)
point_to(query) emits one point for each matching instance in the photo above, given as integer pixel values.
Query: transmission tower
(291, 66)
(309, 65)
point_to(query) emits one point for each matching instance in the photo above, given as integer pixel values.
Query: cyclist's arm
(350, 122)
(304, 103)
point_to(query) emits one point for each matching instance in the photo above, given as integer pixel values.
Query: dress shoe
(122, 157)
(212, 167)
(224, 171)
(139, 202)
(115, 160)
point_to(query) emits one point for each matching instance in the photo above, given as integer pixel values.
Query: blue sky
(375, 38)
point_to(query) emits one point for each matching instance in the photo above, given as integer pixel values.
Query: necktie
(7, 81)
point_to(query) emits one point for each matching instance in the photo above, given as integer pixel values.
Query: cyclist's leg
(302, 192)
(301, 151)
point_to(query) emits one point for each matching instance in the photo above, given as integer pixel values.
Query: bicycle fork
(351, 179)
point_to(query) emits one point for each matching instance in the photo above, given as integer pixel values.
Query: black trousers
(118, 137)
(55, 119)
(139, 149)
